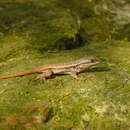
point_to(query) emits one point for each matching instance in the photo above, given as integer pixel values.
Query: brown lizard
(71, 68)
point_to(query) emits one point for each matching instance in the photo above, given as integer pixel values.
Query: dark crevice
(80, 39)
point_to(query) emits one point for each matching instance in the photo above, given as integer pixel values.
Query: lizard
(72, 68)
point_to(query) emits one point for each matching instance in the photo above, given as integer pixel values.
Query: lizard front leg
(73, 74)
(45, 74)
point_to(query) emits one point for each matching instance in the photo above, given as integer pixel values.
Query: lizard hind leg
(44, 75)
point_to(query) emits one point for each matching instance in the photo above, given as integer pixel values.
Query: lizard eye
(92, 60)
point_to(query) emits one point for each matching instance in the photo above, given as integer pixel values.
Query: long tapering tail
(21, 74)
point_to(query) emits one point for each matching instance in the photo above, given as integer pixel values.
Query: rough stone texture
(109, 19)
(119, 8)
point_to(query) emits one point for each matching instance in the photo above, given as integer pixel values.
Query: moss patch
(100, 101)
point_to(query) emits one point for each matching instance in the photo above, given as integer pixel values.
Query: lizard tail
(20, 74)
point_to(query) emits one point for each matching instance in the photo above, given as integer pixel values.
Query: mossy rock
(42, 26)
(123, 32)
(98, 28)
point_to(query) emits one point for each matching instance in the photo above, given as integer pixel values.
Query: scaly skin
(71, 68)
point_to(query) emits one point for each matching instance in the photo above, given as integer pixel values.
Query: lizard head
(87, 62)
(90, 59)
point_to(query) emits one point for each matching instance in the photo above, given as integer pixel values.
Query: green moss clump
(43, 26)
(97, 28)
